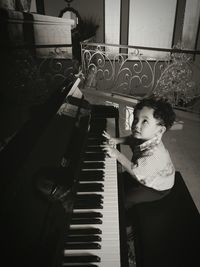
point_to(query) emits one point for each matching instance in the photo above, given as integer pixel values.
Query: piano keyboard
(93, 238)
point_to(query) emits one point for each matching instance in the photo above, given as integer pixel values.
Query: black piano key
(95, 135)
(85, 178)
(95, 141)
(90, 197)
(96, 132)
(94, 149)
(85, 221)
(85, 231)
(102, 138)
(94, 156)
(82, 258)
(94, 175)
(93, 165)
(83, 238)
(83, 245)
(100, 152)
(80, 265)
(90, 187)
(92, 214)
(88, 206)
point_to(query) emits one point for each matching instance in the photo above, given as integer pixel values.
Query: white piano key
(110, 244)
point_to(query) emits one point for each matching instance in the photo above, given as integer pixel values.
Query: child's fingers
(109, 143)
(105, 145)
(106, 135)
(109, 150)
(106, 150)
(112, 142)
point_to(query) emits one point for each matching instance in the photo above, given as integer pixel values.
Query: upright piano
(61, 196)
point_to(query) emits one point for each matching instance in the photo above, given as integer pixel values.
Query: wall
(95, 9)
(86, 8)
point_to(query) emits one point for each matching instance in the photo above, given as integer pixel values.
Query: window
(151, 24)
(112, 23)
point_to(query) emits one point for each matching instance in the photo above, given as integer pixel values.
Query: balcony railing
(126, 71)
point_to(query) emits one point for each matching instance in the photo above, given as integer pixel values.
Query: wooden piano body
(34, 221)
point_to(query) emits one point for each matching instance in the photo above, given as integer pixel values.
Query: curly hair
(163, 110)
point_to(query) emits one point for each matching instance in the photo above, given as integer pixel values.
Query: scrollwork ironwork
(134, 75)
(119, 72)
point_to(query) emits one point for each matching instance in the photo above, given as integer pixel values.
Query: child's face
(145, 126)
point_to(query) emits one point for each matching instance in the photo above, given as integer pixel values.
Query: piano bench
(167, 232)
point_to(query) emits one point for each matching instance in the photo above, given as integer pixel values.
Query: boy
(150, 174)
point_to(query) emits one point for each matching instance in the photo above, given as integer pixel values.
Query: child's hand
(106, 135)
(112, 152)
(110, 140)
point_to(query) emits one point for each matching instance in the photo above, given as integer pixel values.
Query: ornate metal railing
(130, 72)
